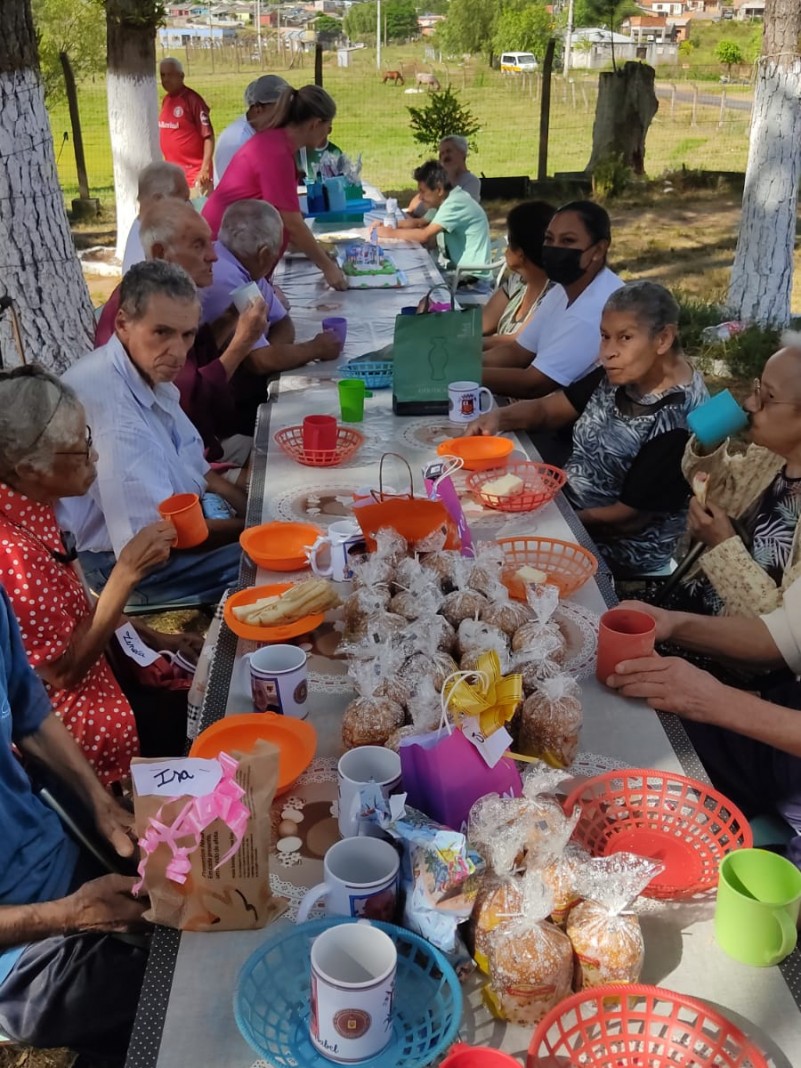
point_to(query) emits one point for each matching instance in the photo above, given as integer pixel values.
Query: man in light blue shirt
(147, 448)
(63, 982)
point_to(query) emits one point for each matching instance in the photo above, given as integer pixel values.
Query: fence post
(672, 99)
(694, 118)
(84, 205)
(722, 117)
(318, 64)
(545, 111)
(573, 92)
(584, 95)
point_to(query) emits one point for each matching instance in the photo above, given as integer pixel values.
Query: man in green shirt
(459, 225)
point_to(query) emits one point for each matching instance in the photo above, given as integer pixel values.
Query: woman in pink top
(264, 169)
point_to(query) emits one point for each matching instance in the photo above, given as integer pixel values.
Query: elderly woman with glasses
(761, 489)
(46, 453)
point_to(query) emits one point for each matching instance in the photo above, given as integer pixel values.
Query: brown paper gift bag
(229, 896)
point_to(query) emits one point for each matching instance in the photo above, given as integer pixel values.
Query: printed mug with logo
(278, 680)
(467, 401)
(353, 969)
(343, 540)
(360, 879)
(363, 766)
(182, 666)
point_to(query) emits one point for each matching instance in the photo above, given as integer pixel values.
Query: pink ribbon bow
(223, 803)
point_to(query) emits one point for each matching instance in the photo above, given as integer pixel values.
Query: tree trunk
(762, 273)
(626, 106)
(38, 266)
(132, 101)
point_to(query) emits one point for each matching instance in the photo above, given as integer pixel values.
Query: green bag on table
(431, 350)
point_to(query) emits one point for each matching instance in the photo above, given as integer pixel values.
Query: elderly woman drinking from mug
(761, 489)
(629, 419)
(46, 453)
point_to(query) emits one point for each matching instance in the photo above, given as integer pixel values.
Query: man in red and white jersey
(185, 131)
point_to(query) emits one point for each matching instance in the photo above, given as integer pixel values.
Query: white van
(518, 63)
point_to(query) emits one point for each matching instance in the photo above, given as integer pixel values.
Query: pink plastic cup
(623, 634)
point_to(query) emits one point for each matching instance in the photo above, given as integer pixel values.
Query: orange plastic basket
(685, 824)
(541, 483)
(637, 1026)
(566, 564)
(349, 442)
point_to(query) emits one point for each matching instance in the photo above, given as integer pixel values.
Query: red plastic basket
(541, 483)
(349, 441)
(634, 1026)
(687, 825)
(566, 564)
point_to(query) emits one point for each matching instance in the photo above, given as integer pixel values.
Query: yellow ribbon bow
(492, 699)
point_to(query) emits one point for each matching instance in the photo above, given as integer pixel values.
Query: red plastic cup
(185, 513)
(461, 1056)
(623, 634)
(319, 433)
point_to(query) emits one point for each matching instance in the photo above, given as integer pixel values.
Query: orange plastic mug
(461, 1056)
(623, 634)
(184, 512)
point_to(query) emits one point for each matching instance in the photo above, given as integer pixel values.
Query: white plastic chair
(466, 270)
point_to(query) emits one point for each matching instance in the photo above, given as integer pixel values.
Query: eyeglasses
(78, 452)
(756, 392)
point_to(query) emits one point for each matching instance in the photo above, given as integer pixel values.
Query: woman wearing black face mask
(559, 344)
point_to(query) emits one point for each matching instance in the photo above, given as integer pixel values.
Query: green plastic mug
(759, 894)
(352, 392)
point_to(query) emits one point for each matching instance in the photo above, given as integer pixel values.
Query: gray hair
(653, 306)
(791, 339)
(162, 222)
(455, 139)
(249, 226)
(265, 90)
(160, 180)
(38, 413)
(154, 278)
(170, 61)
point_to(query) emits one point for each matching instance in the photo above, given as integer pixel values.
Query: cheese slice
(531, 575)
(506, 486)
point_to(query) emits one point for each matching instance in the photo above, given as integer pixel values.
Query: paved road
(685, 96)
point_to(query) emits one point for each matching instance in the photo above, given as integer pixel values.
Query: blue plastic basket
(376, 374)
(271, 1000)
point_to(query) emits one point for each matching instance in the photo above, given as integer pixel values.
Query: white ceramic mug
(180, 662)
(353, 969)
(343, 538)
(278, 681)
(465, 401)
(360, 879)
(356, 768)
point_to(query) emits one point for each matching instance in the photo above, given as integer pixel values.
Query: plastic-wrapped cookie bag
(418, 598)
(605, 932)
(424, 657)
(463, 602)
(550, 722)
(530, 959)
(485, 574)
(474, 638)
(372, 717)
(504, 613)
(390, 545)
(423, 708)
(443, 566)
(541, 636)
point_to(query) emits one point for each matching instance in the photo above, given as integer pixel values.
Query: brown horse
(393, 76)
(428, 80)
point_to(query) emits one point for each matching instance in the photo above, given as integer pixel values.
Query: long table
(185, 1014)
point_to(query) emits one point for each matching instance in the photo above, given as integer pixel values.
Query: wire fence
(702, 123)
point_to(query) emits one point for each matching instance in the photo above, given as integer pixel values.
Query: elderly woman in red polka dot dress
(46, 453)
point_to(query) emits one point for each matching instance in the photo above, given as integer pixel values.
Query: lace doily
(316, 504)
(580, 628)
(426, 433)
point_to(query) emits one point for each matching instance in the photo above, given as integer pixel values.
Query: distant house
(193, 34)
(179, 11)
(429, 23)
(645, 28)
(591, 49)
(750, 9)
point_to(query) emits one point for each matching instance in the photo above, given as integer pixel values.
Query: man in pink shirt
(185, 132)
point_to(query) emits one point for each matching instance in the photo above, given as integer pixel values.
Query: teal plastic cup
(717, 419)
(352, 392)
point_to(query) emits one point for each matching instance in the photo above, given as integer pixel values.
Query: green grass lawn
(372, 118)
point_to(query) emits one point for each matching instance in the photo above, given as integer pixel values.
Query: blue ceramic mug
(717, 419)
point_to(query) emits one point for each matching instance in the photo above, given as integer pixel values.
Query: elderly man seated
(459, 225)
(66, 977)
(157, 181)
(147, 447)
(750, 745)
(247, 250)
(453, 158)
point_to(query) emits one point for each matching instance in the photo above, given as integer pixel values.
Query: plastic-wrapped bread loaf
(550, 722)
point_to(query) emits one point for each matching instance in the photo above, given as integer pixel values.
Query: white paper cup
(360, 879)
(356, 768)
(353, 971)
(244, 295)
(278, 680)
(466, 401)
